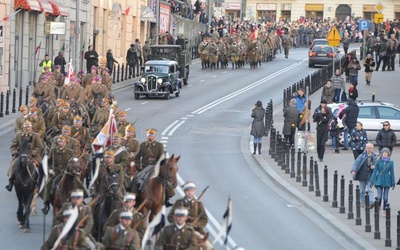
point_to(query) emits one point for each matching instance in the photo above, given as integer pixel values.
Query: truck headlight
(159, 80)
(142, 80)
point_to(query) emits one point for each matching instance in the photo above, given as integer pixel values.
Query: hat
(62, 138)
(77, 193)
(97, 78)
(132, 45)
(66, 104)
(57, 67)
(181, 212)
(258, 104)
(33, 99)
(189, 185)
(77, 118)
(323, 101)
(23, 108)
(46, 54)
(109, 153)
(117, 136)
(129, 197)
(93, 68)
(66, 127)
(385, 150)
(125, 215)
(68, 212)
(151, 131)
(60, 100)
(74, 79)
(105, 100)
(44, 78)
(130, 128)
(27, 124)
(81, 72)
(122, 112)
(33, 109)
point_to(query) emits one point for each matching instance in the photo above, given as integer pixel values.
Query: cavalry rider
(95, 92)
(63, 117)
(20, 120)
(38, 123)
(74, 92)
(85, 217)
(178, 235)
(71, 142)
(77, 240)
(121, 156)
(101, 115)
(197, 216)
(122, 123)
(58, 159)
(26, 143)
(122, 236)
(81, 134)
(53, 110)
(33, 102)
(129, 206)
(107, 79)
(132, 146)
(59, 78)
(44, 91)
(87, 79)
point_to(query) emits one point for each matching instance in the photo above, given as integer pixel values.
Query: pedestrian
(353, 92)
(383, 178)
(350, 122)
(345, 65)
(328, 92)
(258, 126)
(362, 170)
(110, 61)
(131, 60)
(354, 66)
(346, 42)
(46, 62)
(338, 85)
(382, 55)
(322, 115)
(138, 49)
(359, 139)
(291, 115)
(92, 58)
(60, 60)
(146, 51)
(375, 48)
(333, 125)
(305, 117)
(301, 99)
(369, 65)
(391, 52)
(386, 138)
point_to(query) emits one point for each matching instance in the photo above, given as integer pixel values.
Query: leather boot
(46, 207)
(255, 148)
(10, 184)
(259, 148)
(233, 66)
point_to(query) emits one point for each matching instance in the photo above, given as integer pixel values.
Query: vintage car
(160, 78)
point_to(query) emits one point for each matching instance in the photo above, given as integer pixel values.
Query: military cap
(23, 108)
(97, 78)
(106, 70)
(125, 215)
(59, 100)
(77, 193)
(93, 68)
(62, 138)
(122, 112)
(74, 79)
(81, 72)
(105, 100)
(27, 124)
(77, 118)
(44, 78)
(33, 99)
(49, 73)
(66, 104)
(57, 67)
(151, 131)
(33, 109)
(109, 153)
(68, 212)
(66, 127)
(130, 128)
(117, 136)
(181, 211)
(129, 197)
(189, 185)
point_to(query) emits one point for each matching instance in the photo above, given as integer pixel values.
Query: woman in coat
(359, 140)
(383, 178)
(386, 138)
(328, 92)
(110, 61)
(369, 65)
(258, 126)
(291, 115)
(353, 92)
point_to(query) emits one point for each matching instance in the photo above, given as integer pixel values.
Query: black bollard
(126, 71)
(316, 175)
(377, 233)
(20, 97)
(342, 209)
(272, 142)
(113, 74)
(129, 71)
(350, 214)
(335, 189)
(398, 230)
(277, 147)
(8, 102)
(388, 241)
(367, 214)
(118, 70)
(358, 206)
(283, 153)
(292, 162)
(287, 157)
(14, 100)
(311, 186)
(298, 176)
(325, 198)
(1, 104)
(27, 95)
(122, 73)
(304, 183)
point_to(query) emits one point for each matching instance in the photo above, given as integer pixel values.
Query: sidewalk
(341, 163)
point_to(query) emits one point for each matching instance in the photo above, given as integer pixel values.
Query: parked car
(372, 115)
(322, 55)
(318, 41)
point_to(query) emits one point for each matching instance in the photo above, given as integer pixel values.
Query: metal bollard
(304, 183)
(373, 97)
(377, 233)
(367, 214)
(311, 186)
(8, 102)
(316, 175)
(298, 176)
(126, 71)
(388, 241)
(287, 157)
(335, 189)
(1, 104)
(398, 230)
(292, 162)
(342, 209)
(118, 69)
(350, 214)
(20, 97)
(129, 71)
(14, 100)
(325, 198)
(277, 147)
(283, 153)
(272, 142)
(122, 73)
(113, 74)
(27, 95)
(358, 206)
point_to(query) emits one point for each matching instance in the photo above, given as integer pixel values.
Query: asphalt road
(206, 126)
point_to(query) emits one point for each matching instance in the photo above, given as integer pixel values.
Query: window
(388, 113)
(367, 112)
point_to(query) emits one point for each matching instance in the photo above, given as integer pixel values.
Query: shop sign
(266, 6)
(286, 6)
(233, 6)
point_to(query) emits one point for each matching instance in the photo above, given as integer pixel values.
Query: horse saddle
(143, 176)
(56, 181)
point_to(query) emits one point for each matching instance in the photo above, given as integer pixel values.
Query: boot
(202, 65)
(233, 66)
(259, 148)
(10, 184)
(255, 148)
(46, 207)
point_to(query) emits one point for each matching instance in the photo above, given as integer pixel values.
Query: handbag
(382, 54)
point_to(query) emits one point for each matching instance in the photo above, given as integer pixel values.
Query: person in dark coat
(131, 60)
(291, 115)
(110, 61)
(322, 115)
(386, 138)
(369, 65)
(60, 60)
(350, 122)
(353, 92)
(92, 58)
(258, 126)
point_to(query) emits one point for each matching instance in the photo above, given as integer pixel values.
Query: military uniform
(81, 134)
(72, 144)
(119, 238)
(121, 155)
(45, 90)
(87, 79)
(101, 185)
(84, 210)
(100, 117)
(213, 54)
(149, 153)
(61, 119)
(171, 237)
(75, 241)
(107, 81)
(121, 126)
(19, 122)
(73, 92)
(95, 92)
(132, 146)
(38, 125)
(50, 115)
(113, 220)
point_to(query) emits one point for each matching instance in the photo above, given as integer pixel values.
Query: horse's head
(113, 183)
(74, 167)
(169, 169)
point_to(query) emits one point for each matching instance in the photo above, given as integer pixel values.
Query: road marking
(127, 109)
(175, 128)
(164, 137)
(184, 118)
(170, 126)
(202, 80)
(214, 76)
(144, 103)
(189, 115)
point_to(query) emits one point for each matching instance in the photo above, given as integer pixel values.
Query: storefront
(369, 11)
(233, 10)
(286, 11)
(266, 12)
(314, 11)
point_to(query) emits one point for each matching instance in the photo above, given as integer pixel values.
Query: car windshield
(323, 49)
(156, 69)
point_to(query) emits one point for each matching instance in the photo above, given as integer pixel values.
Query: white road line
(127, 109)
(143, 103)
(170, 126)
(214, 76)
(164, 137)
(202, 80)
(189, 115)
(184, 118)
(175, 128)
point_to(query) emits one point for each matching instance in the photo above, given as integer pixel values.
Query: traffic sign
(379, 7)
(334, 35)
(334, 43)
(364, 24)
(378, 18)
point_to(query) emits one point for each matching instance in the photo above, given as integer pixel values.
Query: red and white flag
(70, 73)
(254, 34)
(128, 8)
(105, 137)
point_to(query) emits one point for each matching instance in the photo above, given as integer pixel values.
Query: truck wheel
(185, 81)
(137, 95)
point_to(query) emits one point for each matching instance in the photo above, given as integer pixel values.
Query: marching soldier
(178, 235)
(74, 241)
(101, 115)
(234, 54)
(129, 206)
(203, 51)
(53, 110)
(213, 54)
(74, 92)
(58, 159)
(107, 166)
(62, 117)
(122, 123)
(43, 90)
(197, 217)
(18, 147)
(81, 134)
(122, 236)
(20, 120)
(287, 44)
(38, 124)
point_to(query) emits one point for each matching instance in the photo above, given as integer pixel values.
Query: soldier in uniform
(85, 217)
(203, 52)
(81, 134)
(74, 92)
(287, 44)
(77, 240)
(129, 205)
(63, 117)
(59, 80)
(107, 79)
(223, 54)
(18, 143)
(20, 120)
(58, 159)
(43, 90)
(213, 54)
(101, 115)
(121, 156)
(87, 79)
(38, 124)
(132, 146)
(234, 54)
(197, 216)
(122, 236)
(178, 235)
(71, 142)
(33, 102)
(122, 123)
(96, 92)
(53, 110)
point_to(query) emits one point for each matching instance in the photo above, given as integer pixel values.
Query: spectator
(138, 49)
(322, 115)
(369, 65)
(110, 61)
(131, 60)
(353, 92)
(258, 126)
(338, 85)
(354, 66)
(305, 117)
(92, 58)
(386, 138)
(60, 60)
(46, 62)
(328, 91)
(146, 51)
(359, 140)
(291, 115)
(350, 122)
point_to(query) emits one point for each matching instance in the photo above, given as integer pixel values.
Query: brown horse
(154, 191)
(69, 181)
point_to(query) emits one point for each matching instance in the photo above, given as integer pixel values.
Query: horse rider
(129, 206)
(77, 240)
(122, 123)
(121, 156)
(81, 134)
(53, 110)
(101, 115)
(122, 236)
(20, 120)
(87, 79)
(74, 92)
(33, 102)
(178, 235)
(71, 142)
(85, 217)
(44, 91)
(197, 216)
(132, 146)
(107, 79)
(96, 92)
(59, 80)
(63, 117)
(22, 140)
(58, 159)
(38, 123)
